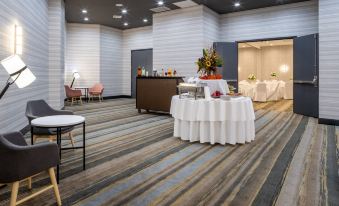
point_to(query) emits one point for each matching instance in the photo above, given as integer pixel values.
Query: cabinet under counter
(155, 93)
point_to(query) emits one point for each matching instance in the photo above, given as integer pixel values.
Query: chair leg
(99, 98)
(14, 194)
(80, 100)
(34, 138)
(55, 185)
(29, 182)
(71, 138)
(72, 101)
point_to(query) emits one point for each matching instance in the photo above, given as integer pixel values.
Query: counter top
(151, 77)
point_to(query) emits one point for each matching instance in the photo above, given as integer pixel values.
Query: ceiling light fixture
(124, 11)
(84, 11)
(86, 19)
(160, 3)
(125, 24)
(117, 16)
(118, 5)
(145, 20)
(237, 4)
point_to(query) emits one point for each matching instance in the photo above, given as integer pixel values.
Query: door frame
(131, 71)
(262, 39)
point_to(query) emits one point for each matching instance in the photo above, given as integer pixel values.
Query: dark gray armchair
(39, 108)
(20, 161)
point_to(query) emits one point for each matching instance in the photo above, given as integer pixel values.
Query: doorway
(140, 58)
(304, 67)
(265, 70)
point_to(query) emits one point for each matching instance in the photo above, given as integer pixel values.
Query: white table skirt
(214, 121)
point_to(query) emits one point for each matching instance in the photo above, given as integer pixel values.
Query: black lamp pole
(72, 82)
(9, 83)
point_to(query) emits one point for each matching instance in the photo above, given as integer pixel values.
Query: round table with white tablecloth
(214, 120)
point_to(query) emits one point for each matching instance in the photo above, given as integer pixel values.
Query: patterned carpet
(133, 159)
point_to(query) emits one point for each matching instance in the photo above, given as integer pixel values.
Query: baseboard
(118, 97)
(328, 121)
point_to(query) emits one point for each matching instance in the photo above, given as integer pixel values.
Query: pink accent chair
(73, 95)
(96, 91)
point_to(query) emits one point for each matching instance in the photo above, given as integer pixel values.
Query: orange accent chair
(96, 91)
(73, 95)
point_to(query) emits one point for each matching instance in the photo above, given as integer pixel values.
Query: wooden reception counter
(155, 93)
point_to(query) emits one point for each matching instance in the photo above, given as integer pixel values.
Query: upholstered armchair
(73, 95)
(96, 91)
(20, 162)
(39, 108)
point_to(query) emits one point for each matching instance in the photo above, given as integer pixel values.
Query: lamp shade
(76, 75)
(18, 71)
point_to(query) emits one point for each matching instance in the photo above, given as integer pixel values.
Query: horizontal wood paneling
(178, 39)
(134, 39)
(56, 11)
(211, 27)
(329, 59)
(279, 21)
(32, 16)
(111, 70)
(83, 54)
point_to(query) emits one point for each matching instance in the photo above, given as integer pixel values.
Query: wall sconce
(18, 40)
(284, 68)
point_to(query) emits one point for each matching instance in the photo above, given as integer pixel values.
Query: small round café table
(58, 122)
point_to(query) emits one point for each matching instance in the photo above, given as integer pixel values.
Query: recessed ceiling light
(125, 24)
(118, 5)
(86, 19)
(237, 4)
(160, 3)
(145, 20)
(117, 16)
(84, 11)
(124, 11)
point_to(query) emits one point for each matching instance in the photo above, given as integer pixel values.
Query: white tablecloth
(214, 121)
(275, 89)
(214, 85)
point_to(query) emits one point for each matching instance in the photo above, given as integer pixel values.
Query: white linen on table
(275, 90)
(213, 84)
(214, 121)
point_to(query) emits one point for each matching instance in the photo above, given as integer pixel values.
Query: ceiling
(260, 44)
(102, 11)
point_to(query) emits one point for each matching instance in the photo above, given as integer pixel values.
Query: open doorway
(265, 70)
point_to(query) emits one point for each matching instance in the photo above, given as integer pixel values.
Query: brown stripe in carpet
(270, 190)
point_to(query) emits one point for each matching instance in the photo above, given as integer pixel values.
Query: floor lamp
(18, 72)
(76, 75)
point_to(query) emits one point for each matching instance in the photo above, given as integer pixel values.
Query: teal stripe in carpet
(272, 186)
(179, 177)
(146, 174)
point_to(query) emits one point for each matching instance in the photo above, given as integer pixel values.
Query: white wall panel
(111, 70)
(83, 54)
(56, 11)
(279, 21)
(134, 39)
(33, 18)
(211, 27)
(329, 59)
(178, 39)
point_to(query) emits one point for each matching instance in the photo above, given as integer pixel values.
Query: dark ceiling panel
(102, 11)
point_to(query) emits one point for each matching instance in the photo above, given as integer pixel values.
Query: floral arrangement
(274, 74)
(208, 63)
(252, 77)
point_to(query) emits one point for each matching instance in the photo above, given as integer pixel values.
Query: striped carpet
(133, 159)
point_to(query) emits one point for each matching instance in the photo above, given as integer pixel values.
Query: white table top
(58, 121)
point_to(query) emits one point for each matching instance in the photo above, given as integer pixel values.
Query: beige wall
(262, 62)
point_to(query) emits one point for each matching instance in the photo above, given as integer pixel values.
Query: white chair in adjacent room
(260, 92)
(288, 94)
(273, 94)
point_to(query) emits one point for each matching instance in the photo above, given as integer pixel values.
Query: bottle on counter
(143, 71)
(169, 72)
(175, 73)
(162, 72)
